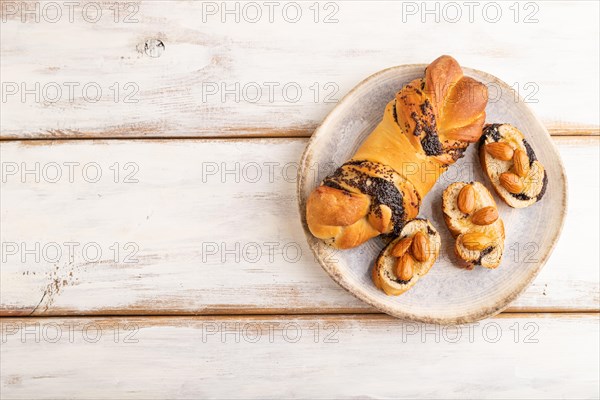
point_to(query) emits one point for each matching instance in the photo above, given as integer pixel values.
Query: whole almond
(466, 199)
(511, 182)
(420, 246)
(521, 162)
(485, 216)
(476, 241)
(404, 267)
(401, 247)
(500, 150)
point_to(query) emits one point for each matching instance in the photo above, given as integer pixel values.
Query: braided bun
(426, 128)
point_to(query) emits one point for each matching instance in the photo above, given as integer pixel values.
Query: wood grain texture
(187, 85)
(526, 356)
(211, 226)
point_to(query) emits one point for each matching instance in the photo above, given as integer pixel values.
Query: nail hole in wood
(154, 47)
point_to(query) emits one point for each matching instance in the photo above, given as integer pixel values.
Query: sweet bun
(407, 258)
(511, 165)
(424, 129)
(472, 217)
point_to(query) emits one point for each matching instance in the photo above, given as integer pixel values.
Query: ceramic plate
(448, 294)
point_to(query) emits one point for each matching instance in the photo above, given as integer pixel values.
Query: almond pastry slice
(520, 180)
(480, 233)
(396, 274)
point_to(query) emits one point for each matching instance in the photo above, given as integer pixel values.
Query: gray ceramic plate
(448, 294)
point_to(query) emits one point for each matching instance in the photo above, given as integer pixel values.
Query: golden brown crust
(381, 219)
(424, 129)
(534, 181)
(440, 76)
(468, 133)
(482, 161)
(388, 145)
(356, 234)
(336, 207)
(375, 276)
(464, 108)
(382, 274)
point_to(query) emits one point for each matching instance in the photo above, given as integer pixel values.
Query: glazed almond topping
(404, 267)
(500, 150)
(420, 246)
(485, 216)
(466, 199)
(521, 163)
(476, 241)
(511, 182)
(401, 247)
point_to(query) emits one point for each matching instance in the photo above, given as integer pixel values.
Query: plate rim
(339, 278)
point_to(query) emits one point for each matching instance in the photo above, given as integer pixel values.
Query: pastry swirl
(425, 128)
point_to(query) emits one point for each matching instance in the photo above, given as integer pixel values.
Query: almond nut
(420, 246)
(476, 241)
(404, 267)
(500, 150)
(521, 163)
(401, 247)
(466, 199)
(511, 182)
(485, 216)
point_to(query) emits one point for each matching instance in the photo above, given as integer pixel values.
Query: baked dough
(534, 182)
(490, 236)
(383, 273)
(426, 128)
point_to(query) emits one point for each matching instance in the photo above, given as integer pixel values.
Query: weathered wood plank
(210, 226)
(511, 356)
(97, 69)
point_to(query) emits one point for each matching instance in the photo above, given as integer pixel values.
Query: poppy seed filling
(381, 189)
(425, 125)
(492, 131)
(484, 253)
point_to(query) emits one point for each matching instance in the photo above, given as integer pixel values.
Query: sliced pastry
(472, 217)
(407, 258)
(511, 165)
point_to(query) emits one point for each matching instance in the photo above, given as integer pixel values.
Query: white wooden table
(151, 243)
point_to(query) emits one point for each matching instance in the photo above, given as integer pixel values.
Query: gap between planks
(43, 140)
(275, 313)
(133, 311)
(334, 316)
